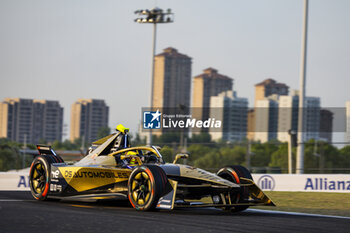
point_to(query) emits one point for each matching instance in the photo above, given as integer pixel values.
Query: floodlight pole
(291, 134)
(154, 16)
(149, 139)
(300, 149)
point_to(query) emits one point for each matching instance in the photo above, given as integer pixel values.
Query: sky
(69, 49)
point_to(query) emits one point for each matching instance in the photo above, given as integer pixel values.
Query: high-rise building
(232, 112)
(206, 85)
(312, 112)
(347, 133)
(172, 79)
(266, 119)
(288, 114)
(264, 89)
(326, 125)
(31, 120)
(251, 124)
(88, 116)
(270, 87)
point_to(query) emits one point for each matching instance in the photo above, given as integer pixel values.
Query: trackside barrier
(14, 181)
(339, 183)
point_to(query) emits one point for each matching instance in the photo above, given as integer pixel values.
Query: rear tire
(233, 174)
(146, 185)
(39, 175)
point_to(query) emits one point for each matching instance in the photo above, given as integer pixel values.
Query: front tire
(146, 185)
(233, 174)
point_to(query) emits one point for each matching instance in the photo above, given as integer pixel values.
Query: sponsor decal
(325, 184)
(55, 188)
(95, 174)
(54, 174)
(266, 182)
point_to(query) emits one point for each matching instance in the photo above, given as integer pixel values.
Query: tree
(345, 156)
(10, 157)
(200, 138)
(279, 158)
(197, 151)
(262, 153)
(103, 132)
(232, 156)
(169, 137)
(137, 140)
(167, 153)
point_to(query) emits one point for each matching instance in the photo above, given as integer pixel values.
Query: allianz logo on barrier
(267, 182)
(325, 184)
(23, 182)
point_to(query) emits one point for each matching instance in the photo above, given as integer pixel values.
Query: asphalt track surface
(20, 213)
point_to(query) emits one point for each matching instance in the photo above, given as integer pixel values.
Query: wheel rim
(141, 188)
(38, 178)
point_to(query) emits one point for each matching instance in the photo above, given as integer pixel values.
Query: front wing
(256, 197)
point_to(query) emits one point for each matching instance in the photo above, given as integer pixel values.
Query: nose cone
(195, 173)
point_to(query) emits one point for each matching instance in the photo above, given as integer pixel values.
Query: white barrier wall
(339, 183)
(14, 181)
(19, 181)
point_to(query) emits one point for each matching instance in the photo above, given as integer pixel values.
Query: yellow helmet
(132, 161)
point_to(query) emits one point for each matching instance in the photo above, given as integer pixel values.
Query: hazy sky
(69, 49)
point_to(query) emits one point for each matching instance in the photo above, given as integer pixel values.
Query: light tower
(153, 16)
(300, 149)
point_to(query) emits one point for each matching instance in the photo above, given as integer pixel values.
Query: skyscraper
(326, 125)
(172, 79)
(266, 88)
(270, 87)
(232, 112)
(288, 116)
(88, 116)
(312, 113)
(31, 120)
(206, 85)
(266, 119)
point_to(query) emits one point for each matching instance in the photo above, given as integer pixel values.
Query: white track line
(295, 213)
(4, 200)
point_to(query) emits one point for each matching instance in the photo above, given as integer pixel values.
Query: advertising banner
(339, 183)
(14, 181)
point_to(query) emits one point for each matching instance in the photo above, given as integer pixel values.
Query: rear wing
(45, 150)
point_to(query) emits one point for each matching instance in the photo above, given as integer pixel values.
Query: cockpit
(115, 150)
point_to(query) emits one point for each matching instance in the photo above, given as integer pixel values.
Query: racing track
(20, 213)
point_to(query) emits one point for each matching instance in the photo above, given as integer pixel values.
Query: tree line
(269, 157)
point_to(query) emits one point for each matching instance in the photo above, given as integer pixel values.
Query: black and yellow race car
(113, 169)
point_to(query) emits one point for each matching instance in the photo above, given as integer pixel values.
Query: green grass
(310, 202)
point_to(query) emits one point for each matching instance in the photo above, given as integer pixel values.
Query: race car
(114, 169)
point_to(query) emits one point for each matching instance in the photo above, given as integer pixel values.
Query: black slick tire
(146, 185)
(234, 173)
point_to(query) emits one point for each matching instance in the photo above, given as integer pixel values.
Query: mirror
(180, 156)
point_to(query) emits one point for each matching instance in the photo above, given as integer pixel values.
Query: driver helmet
(132, 161)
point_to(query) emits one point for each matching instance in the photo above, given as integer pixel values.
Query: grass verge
(310, 202)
